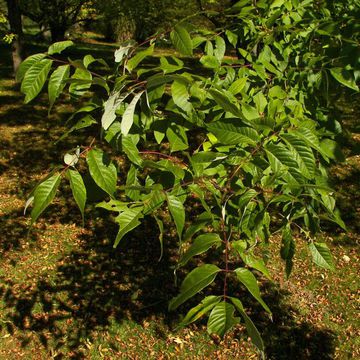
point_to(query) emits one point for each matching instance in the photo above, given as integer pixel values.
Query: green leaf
(175, 65)
(222, 319)
(308, 136)
(111, 105)
(127, 220)
(239, 246)
(198, 224)
(89, 59)
(102, 170)
(200, 310)
(27, 64)
(249, 112)
(197, 41)
(248, 279)
(232, 37)
(287, 250)
(321, 255)
(277, 3)
(129, 147)
(332, 149)
(83, 123)
(194, 282)
(139, 57)
(35, 78)
(44, 195)
(58, 47)
(78, 189)
(281, 157)
(237, 86)
(225, 103)
(153, 201)
(205, 157)
(246, 198)
(210, 61)
(128, 116)
(229, 132)
(277, 92)
(250, 327)
(255, 263)
(260, 101)
(303, 154)
(81, 81)
(177, 137)
(177, 212)
(160, 79)
(181, 95)
(113, 205)
(344, 77)
(181, 40)
(220, 48)
(201, 244)
(132, 184)
(56, 83)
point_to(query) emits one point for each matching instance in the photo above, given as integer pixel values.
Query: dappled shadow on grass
(346, 181)
(287, 337)
(14, 232)
(344, 177)
(95, 285)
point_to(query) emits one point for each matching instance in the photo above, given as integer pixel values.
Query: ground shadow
(285, 336)
(95, 285)
(15, 232)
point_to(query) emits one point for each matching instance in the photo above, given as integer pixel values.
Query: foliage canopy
(234, 149)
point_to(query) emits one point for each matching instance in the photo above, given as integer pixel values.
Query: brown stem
(172, 158)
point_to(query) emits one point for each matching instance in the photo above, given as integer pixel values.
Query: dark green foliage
(247, 139)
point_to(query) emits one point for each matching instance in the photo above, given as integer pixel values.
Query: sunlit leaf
(222, 319)
(78, 189)
(200, 310)
(44, 195)
(35, 78)
(182, 40)
(344, 77)
(250, 327)
(59, 47)
(177, 212)
(127, 220)
(102, 170)
(128, 116)
(248, 279)
(201, 244)
(139, 57)
(27, 64)
(57, 83)
(194, 282)
(321, 255)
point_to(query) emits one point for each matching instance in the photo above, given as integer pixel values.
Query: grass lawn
(66, 294)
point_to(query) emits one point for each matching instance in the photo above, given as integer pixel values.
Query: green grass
(65, 293)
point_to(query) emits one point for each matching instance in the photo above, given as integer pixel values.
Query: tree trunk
(14, 15)
(57, 32)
